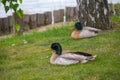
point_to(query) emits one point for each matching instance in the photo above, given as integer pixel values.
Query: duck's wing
(81, 53)
(75, 55)
(81, 56)
(87, 33)
(91, 29)
(87, 55)
(65, 61)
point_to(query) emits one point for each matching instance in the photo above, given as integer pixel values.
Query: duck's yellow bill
(49, 49)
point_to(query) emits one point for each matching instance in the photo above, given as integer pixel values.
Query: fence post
(40, 20)
(4, 25)
(75, 13)
(58, 15)
(69, 13)
(0, 25)
(48, 18)
(32, 21)
(11, 22)
(26, 19)
(61, 15)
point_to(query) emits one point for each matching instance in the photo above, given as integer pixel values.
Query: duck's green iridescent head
(57, 47)
(78, 26)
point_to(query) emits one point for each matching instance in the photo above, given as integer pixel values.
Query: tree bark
(94, 13)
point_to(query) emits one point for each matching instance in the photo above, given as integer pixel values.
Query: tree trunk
(94, 13)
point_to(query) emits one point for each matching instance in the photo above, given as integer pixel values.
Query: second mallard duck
(84, 32)
(67, 58)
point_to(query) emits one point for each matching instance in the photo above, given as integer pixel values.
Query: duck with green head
(67, 58)
(84, 32)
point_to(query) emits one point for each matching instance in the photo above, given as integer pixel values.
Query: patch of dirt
(2, 37)
(43, 28)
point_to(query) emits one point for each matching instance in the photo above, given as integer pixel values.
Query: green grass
(30, 61)
(116, 18)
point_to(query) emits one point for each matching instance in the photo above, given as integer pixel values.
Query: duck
(68, 58)
(84, 32)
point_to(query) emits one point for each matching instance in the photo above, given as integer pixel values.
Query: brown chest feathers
(75, 34)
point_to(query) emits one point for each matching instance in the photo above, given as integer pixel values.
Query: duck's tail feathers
(89, 59)
(92, 58)
(95, 56)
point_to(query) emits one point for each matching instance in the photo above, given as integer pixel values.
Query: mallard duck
(67, 58)
(84, 32)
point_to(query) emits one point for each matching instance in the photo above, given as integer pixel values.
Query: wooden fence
(31, 21)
